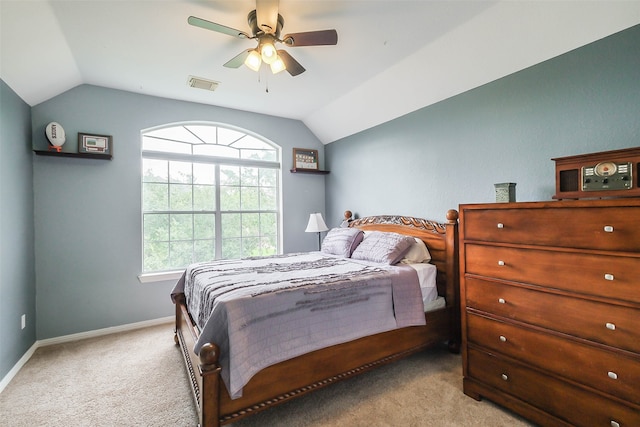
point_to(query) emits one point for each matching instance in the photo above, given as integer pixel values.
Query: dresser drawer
(563, 400)
(602, 370)
(608, 324)
(616, 277)
(606, 228)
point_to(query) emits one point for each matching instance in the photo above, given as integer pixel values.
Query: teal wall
(88, 212)
(453, 152)
(17, 274)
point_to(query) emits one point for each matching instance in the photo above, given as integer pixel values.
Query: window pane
(175, 133)
(156, 256)
(251, 247)
(156, 227)
(180, 172)
(180, 196)
(163, 146)
(269, 245)
(229, 175)
(267, 198)
(228, 136)
(231, 226)
(216, 150)
(268, 177)
(204, 250)
(204, 173)
(181, 254)
(250, 199)
(229, 198)
(155, 197)
(231, 248)
(205, 134)
(268, 223)
(181, 227)
(204, 198)
(249, 141)
(250, 225)
(155, 170)
(204, 226)
(249, 176)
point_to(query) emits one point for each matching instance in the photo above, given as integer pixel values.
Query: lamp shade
(316, 224)
(253, 61)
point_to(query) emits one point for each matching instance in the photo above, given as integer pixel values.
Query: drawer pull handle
(615, 424)
(501, 300)
(503, 338)
(500, 262)
(504, 377)
(608, 276)
(500, 225)
(611, 326)
(612, 375)
(608, 228)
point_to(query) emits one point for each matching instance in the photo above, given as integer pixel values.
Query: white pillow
(417, 253)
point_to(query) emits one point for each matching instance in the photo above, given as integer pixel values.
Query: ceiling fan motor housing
(257, 31)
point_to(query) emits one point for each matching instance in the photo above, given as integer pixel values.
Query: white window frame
(148, 277)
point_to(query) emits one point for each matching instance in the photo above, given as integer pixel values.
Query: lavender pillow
(383, 247)
(341, 241)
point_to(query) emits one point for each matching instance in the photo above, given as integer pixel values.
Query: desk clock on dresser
(550, 295)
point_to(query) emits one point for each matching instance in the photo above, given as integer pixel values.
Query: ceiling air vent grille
(200, 83)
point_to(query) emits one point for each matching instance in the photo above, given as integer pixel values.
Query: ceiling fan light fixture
(277, 66)
(268, 52)
(253, 61)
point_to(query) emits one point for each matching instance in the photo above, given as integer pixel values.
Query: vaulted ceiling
(392, 56)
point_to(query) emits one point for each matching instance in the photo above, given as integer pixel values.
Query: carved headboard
(441, 240)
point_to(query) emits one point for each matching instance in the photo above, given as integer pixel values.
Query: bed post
(210, 393)
(453, 279)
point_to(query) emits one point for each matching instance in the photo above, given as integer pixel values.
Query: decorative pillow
(382, 247)
(417, 253)
(341, 241)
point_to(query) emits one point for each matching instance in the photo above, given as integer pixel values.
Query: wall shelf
(77, 155)
(311, 171)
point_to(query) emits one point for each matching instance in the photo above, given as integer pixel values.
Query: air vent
(200, 83)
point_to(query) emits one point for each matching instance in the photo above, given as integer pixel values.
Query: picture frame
(91, 143)
(304, 158)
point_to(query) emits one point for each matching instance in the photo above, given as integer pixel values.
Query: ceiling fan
(266, 23)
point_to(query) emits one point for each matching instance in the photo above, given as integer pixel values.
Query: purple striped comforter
(261, 311)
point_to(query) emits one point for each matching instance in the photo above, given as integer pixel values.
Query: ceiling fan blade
(208, 25)
(267, 15)
(238, 60)
(293, 67)
(311, 38)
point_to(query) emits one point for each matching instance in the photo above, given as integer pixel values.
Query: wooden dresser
(550, 295)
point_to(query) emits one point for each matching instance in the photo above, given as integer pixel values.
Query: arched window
(208, 192)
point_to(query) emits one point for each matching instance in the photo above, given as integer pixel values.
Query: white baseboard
(75, 337)
(105, 331)
(14, 371)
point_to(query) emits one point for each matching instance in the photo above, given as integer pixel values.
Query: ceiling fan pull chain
(266, 81)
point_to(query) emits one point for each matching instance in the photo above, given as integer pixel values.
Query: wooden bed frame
(300, 375)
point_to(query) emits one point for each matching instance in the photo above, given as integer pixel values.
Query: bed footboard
(204, 377)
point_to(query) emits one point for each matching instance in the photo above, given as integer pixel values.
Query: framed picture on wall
(304, 158)
(95, 144)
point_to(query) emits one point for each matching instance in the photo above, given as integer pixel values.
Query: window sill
(160, 277)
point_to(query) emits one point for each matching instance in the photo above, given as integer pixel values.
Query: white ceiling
(392, 57)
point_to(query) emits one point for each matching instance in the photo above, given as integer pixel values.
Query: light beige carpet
(137, 379)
